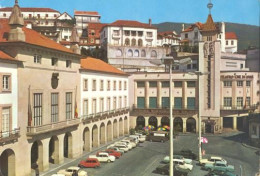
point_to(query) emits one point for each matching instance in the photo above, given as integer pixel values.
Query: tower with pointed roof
(16, 23)
(74, 40)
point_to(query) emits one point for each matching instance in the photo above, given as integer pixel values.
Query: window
(227, 83)
(46, 22)
(4, 14)
(149, 34)
(133, 33)
(165, 102)
(6, 84)
(101, 104)
(37, 59)
(120, 102)
(191, 84)
(133, 43)
(120, 85)
(239, 83)
(85, 85)
(30, 15)
(54, 107)
(153, 54)
(125, 85)
(186, 35)
(127, 33)
(248, 83)
(152, 84)
(196, 35)
(38, 16)
(241, 66)
(116, 32)
(177, 102)
(194, 66)
(209, 38)
(227, 102)
(108, 85)
(118, 52)
(55, 15)
(136, 53)
(108, 103)
(68, 105)
(37, 109)
(219, 36)
(68, 63)
(226, 42)
(114, 103)
(140, 84)
(114, 85)
(94, 106)
(85, 107)
(140, 33)
(177, 83)
(232, 42)
(189, 66)
(165, 83)
(94, 85)
(140, 42)
(248, 101)
(140, 102)
(143, 53)
(6, 121)
(130, 53)
(239, 102)
(190, 102)
(152, 102)
(92, 40)
(101, 85)
(54, 61)
(46, 15)
(92, 32)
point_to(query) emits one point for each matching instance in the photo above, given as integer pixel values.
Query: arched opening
(95, 136)
(86, 139)
(109, 131)
(143, 53)
(140, 42)
(115, 133)
(121, 127)
(126, 125)
(102, 133)
(67, 153)
(140, 122)
(130, 53)
(154, 54)
(7, 163)
(153, 121)
(136, 53)
(191, 125)
(165, 121)
(118, 53)
(127, 42)
(54, 150)
(133, 43)
(178, 124)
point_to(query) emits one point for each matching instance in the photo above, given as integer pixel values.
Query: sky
(186, 11)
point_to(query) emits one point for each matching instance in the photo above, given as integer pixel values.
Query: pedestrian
(74, 173)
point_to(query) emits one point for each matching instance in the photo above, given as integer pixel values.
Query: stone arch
(140, 42)
(54, 150)
(115, 129)
(143, 53)
(37, 155)
(178, 124)
(191, 125)
(109, 131)
(133, 42)
(127, 42)
(165, 121)
(153, 121)
(86, 139)
(95, 136)
(121, 127)
(126, 125)
(140, 122)
(130, 53)
(7, 163)
(136, 53)
(102, 133)
(67, 153)
(154, 54)
(119, 53)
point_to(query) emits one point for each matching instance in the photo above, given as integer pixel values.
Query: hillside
(247, 34)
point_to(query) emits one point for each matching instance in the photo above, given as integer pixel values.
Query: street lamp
(171, 62)
(198, 73)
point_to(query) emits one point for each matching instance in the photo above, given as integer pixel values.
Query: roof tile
(128, 23)
(91, 13)
(34, 9)
(231, 35)
(5, 56)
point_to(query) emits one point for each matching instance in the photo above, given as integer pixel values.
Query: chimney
(183, 27)
(150, 22)
(16, 23)
(74, 40)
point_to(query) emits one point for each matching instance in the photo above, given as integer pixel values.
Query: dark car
(158, 136)
(186, 153)
(164, 170)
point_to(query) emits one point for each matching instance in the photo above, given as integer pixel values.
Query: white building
(231, 42)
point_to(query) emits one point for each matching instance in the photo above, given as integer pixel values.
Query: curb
(249, 146)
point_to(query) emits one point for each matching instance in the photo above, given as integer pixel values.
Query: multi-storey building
(130, 44)
(168, 39)
(104, 96)
(231, 42)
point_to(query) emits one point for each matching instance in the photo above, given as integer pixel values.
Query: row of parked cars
(110, 154)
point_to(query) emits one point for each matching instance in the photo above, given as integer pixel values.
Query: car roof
(92, 159)
(215, 157)
(221, 162)
(73, 168)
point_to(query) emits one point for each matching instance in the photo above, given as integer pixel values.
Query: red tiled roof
(97, 26)
(231, 35)
(128, 23)
(94, 64)
(5, 56)
(33, 9)
(86, 13)
(199, 25)
(209, 25)
(31, 37)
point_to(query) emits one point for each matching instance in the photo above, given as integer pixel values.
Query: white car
(129, 146)
(103, 157)
(69, 171)
(142, 137)
(166, 159)
(181, 164)
(129, 142)
(212, 160)
(121, 147)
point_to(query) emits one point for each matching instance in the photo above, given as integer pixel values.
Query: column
(234, 123)
(234, 96)
(184, 95)
(146, 93)
(221, 123)
(135, 94)
(45, 155)
(184, 120)
(61, 149)
(146, 121)
(159, 95)
(159, 120)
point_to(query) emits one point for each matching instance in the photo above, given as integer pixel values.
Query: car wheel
(108, 161)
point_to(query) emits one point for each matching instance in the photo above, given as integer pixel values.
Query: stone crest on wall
(209, 49)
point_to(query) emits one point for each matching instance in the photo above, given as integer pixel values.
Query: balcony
(9, 137)
(35, 130)
(149, 37)
(163, 111)
(104, 115)
(229, 110)
(115, 36)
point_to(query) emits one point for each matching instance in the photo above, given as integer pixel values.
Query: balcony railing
(34, 130)
(9, 136)
(105, 114)
(115, 36)
(251, 107)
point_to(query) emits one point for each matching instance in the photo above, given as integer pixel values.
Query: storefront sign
(237, 76)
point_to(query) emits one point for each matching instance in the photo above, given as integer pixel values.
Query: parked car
(116, 149)
(136, 137)
(129, 146)
(218, 165)
(142, 137)
(158, 136)
(103, 157)
(166, 159)
(212, 160)
(221, 173)
(164, 170)
(186, 153)
(89, 162)
(181, 164)
(121, 147)
(112, 152)
(69, 171)
(133, 144)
